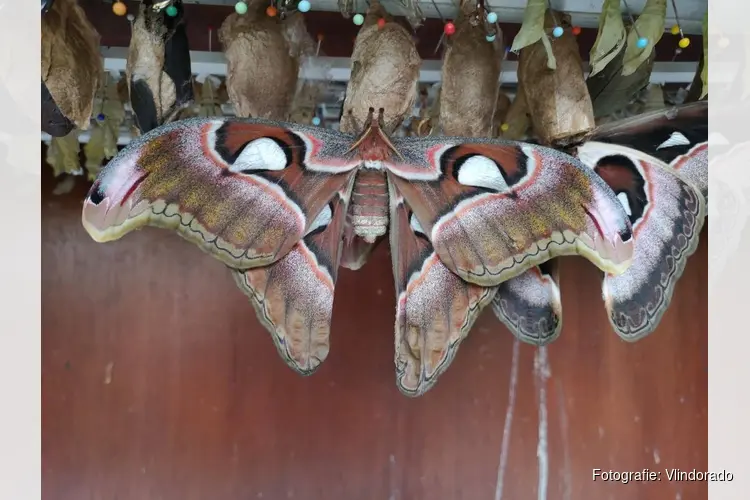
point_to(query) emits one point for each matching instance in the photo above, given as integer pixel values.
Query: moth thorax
(369, 208)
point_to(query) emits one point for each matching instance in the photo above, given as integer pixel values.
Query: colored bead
(358, 19)
(449, 28)
(119, 8)
(576, 30)
(171, 11)
(491, 18)
(504, 127)
(683, 43)
(100, 117)
(240, 8)
(131, 17)
(271, 11)
(557, 32)
(381, 23)
(675, 29)
(303, 6)
(316, 121)
(490, 38)
(641, 43)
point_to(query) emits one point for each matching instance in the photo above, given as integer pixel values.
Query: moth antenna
(376, 126)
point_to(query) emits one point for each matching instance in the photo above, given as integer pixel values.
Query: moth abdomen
(369, 209)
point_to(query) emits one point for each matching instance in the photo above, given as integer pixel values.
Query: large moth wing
(293, 297)
(245, 191)
(677, 136)
(529, 305)
(435, 308)
(667, 213)
(493, 209)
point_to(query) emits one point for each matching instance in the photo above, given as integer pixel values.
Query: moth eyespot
(260, 154)
(676, 139)
(96, 196)
(415, 225)
(482, 172)
(321, 221)
(625, 203)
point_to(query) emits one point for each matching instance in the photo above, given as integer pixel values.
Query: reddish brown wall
(200, 407)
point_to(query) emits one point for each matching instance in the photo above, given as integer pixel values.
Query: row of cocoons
(120, 9)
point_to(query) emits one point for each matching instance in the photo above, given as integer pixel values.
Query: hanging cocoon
(550, 73)
(470, 76)
(71, 68)
(384, 73)
(158, 68)
(263, 60)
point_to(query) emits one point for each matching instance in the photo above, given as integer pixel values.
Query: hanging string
(557, 31)
(684, 41)
(442, 19)
(642, 42)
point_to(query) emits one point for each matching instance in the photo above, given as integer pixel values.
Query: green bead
(171, 11)
(359, 19)
(240, 8)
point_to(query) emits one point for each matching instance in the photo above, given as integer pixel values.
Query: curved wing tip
(633, 337)
(540, 341)
(415, 392)
(97, 234)
(305, 367)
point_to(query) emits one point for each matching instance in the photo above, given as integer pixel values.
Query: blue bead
(641, 43)
(303, 6)
(316, 121)
(491, 18)
(490, 38)
(100, 117)
(557, 32)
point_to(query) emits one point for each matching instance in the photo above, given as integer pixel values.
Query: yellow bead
(119, 8)
(675, 30)
(683, 43)
(504, 127)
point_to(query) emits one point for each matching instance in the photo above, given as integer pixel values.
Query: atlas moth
(283, 204)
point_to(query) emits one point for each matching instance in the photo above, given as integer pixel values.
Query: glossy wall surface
(159, 383)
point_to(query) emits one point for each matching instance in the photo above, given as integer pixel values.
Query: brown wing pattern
(245, 191)
(293, 297)
(494, 209)
(435, 308)
(667, 213)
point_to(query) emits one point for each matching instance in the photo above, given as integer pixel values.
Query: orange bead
(320, 37)
(119, 8)
(271, 11)
(576, 30)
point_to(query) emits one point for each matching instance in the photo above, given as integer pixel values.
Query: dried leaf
(610, 39)
(532, 27)
(650, 24)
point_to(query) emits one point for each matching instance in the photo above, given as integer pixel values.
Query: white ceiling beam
(338, 68)
(584, 13)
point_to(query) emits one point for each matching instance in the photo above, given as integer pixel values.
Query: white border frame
(20, 252)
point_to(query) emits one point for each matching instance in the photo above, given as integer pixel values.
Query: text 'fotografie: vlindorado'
(657, 475)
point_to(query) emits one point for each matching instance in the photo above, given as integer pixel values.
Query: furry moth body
(268, 199)
(384, 75)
